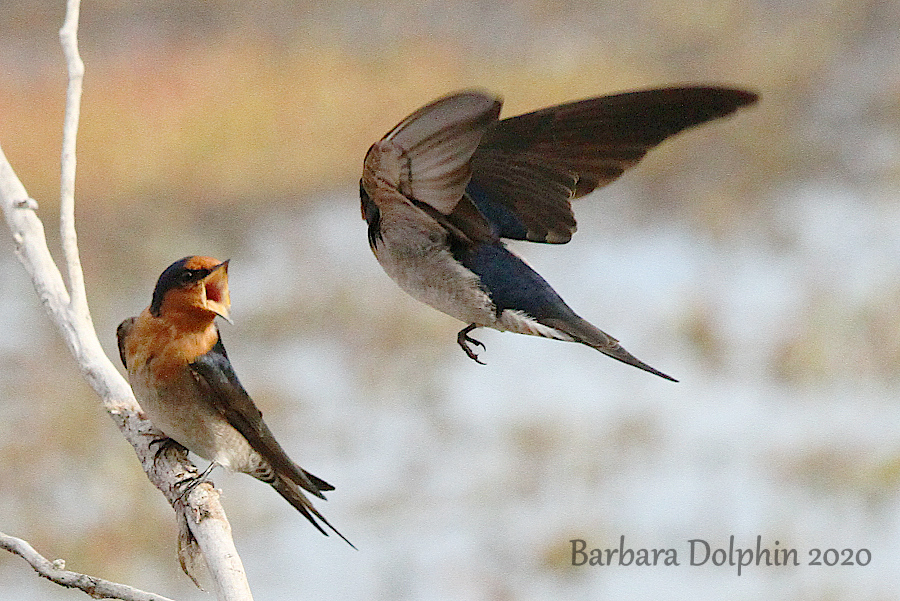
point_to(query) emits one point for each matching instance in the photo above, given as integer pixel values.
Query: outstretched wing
(527, 168)
(229, 397)
(425, 162)
(432, 148)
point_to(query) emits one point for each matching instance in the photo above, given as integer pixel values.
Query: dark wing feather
(534, 164)
(233, 402)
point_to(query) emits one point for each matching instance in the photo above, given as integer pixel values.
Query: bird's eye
(187, 276)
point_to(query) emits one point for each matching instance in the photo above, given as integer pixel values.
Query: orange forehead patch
(201, 263)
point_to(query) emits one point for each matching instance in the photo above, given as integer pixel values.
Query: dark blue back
(511, 283)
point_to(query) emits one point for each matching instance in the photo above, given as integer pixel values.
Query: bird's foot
(193, 481)
(165, 444)
(464, 340)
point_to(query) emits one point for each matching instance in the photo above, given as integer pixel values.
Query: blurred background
(755, 259)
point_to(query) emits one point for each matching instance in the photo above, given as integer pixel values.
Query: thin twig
(55, 571)
(68, 36)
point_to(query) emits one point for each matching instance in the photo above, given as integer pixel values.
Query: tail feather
(316, 481)
(264, 471)
(292, 493)
(586, 333)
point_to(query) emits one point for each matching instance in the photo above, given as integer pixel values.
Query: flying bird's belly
(186, 417)
(418, 259)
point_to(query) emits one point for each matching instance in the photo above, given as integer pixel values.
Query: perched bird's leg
(465, 340)
(192, 479)
(165, 444)
(191, 482)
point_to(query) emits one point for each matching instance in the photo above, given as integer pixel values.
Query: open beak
(215, 292)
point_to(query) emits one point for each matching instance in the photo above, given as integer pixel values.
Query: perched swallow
(443, 188)
(185, 384)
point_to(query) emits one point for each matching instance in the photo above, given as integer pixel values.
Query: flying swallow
(443, 189)
(184, 382)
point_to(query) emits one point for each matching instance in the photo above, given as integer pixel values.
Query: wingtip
(709, 102)
(749, 97)
(741, 98)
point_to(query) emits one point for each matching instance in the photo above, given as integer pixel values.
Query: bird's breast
(173, 398)
(415, 252)
(179, 406)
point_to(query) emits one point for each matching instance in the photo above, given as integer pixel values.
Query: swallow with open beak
(184, 382)
(443, 189)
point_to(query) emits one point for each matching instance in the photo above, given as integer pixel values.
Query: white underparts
(520, 323)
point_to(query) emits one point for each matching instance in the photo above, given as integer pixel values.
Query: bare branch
(55, 571)
(68, 36)
(200, 516)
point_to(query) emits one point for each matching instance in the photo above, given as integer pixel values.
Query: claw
(163, 445)
(464, 340)
(192, 482)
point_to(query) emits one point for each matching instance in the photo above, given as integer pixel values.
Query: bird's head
(193, 285)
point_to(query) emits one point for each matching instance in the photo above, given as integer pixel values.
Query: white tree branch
(55, 571)
(202, 522)
(68, 36)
